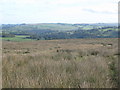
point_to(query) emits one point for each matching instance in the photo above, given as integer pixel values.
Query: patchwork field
(73, 63)
(17, 38)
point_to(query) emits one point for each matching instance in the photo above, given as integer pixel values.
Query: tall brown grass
(80, 63)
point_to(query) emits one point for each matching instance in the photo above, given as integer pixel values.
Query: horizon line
(65, 23)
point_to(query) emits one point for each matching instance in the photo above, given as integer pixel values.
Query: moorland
(59, 55)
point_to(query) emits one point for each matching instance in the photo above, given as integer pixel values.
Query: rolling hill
(48, 31)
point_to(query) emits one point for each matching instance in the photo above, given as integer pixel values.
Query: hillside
(49, 31)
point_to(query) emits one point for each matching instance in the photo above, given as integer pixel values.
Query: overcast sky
(58, 11)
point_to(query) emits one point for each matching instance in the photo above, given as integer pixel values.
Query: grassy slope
(17, 38)
(57, 26)
(45, 26)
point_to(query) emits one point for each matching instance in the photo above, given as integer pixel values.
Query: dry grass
(80, 63)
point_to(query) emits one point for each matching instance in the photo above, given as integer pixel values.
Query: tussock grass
(72, 65)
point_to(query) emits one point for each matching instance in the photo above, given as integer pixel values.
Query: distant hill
(50, 26)
(62, 30)
(55, 26)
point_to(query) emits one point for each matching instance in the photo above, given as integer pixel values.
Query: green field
(17, 38)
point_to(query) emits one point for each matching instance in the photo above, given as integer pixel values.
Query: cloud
(17, 11)
(18, 1)
(98, 12)
(105, 8)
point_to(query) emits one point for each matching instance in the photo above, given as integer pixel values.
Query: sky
(58, 11)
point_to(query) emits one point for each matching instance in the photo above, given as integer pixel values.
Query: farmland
(50, 31)
(73, 63)
(17, 38)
